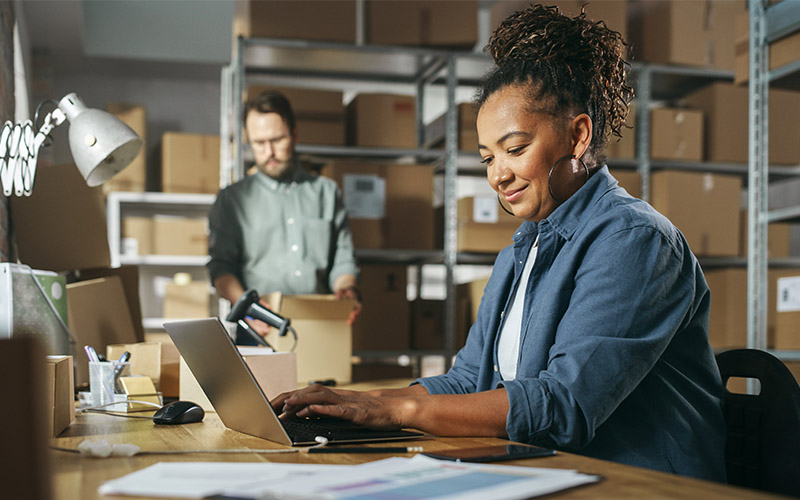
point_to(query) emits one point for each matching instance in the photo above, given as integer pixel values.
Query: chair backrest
(763, 445)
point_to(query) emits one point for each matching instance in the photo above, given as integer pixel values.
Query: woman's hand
(376, 412)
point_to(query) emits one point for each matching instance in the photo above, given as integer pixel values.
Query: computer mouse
(179, 412)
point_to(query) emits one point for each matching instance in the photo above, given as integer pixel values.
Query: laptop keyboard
(307, 429)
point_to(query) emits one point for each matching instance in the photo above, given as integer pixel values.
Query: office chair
(763, 436)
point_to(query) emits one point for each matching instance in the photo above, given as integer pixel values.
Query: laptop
(239, 401)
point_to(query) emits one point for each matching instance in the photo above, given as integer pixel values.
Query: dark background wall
(6, 104)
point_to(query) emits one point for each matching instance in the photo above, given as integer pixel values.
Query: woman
(592, 334)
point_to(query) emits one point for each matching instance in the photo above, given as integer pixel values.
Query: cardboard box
(727, 328)
(60, 393)
(189, 163)
(383, 323)
(705, 207)
(726, 128)
(63, 213)
(137, 236)
(466, 116)
(690, 32)
(134, 176)
(624, 148)
(319, 114)
(784, 303)
(389, 206)
(451, 24)
(98, 316)
(180, 236)
(612, 12)
(320, 20)
(676, 134)
(24, 429)
(427, 321)
(781, 52)
(483, 226)
(324, 339)
(630, 180)
(779, 236)
(145, 359)
(275, 372)
(169, 384)
(190, 300)
(382, 121)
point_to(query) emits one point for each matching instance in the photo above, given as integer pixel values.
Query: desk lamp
(101, 145)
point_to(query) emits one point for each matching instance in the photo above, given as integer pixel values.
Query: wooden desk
(77, 478)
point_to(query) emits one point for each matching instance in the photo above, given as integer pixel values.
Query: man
(280, 229)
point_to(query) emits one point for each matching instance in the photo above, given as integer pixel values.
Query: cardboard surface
(62, 213)
(129, 275)
(781, 52)
(322, 20)
(24, 431)
(134, 176)
(180, 236)
(324, 339)
(727, 328)
(488, 233)
(98, 316)
(784, 330)
(170, 364)
(422, 23)
(624, 148)
(467, 115)
(630, 180)
(137, 236)
(145, 358)
(427, 320)
(60, 393)
(191, 300)
(190, 163)
(612, 12)
(705, 207)
(384, 320)
(382, 121)
(779, 238)
(676, 134)
(275, 372)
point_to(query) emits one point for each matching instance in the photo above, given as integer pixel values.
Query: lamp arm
(19, 151)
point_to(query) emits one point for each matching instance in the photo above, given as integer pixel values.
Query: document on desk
(403, 478)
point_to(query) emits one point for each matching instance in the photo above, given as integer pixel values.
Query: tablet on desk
(492, 453)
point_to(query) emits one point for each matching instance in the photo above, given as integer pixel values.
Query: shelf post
(451, 212)
(644, 95)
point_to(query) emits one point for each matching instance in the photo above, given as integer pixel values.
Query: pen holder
(104, 380)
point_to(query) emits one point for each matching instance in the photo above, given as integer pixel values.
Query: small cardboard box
(190, 300)
(451, 24)
(389, 206)
(98, 316)
(63, 213)
(24, 429)
(467, 116)
(630, 180)
(170, 364)
(324, 339)
(190, 163)
(727, 328)
(319, 114)
(145, 358)
(180, 236)
(726, 134)
(784, 302)
(134, 176)
(383, 323)
(705, 207)
(382, 121)
(275, 372)
(427, 321)
(321, 20)
(60, 393)
(676, 134)
(483, 226)
(779, 238)
(137, 236)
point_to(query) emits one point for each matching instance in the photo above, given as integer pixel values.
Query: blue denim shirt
(614, 360)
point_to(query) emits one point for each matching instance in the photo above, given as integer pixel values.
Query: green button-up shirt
(289, 236)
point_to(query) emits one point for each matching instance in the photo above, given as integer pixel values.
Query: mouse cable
(113, 413)
(103, 449)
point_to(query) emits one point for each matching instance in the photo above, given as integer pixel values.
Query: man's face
(272, 142)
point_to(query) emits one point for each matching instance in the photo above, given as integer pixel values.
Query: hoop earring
(550, 175)
(504, 207)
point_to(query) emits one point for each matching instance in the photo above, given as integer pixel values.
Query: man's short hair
(271, 101)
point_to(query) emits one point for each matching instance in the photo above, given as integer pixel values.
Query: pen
(91, 353)
(402, 449)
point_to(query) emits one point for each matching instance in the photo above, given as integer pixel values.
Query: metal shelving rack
(767, 24)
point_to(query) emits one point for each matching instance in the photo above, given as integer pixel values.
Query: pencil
(403, 449)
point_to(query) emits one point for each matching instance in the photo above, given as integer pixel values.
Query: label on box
(484, 209)
(364, 196)
(789, 294)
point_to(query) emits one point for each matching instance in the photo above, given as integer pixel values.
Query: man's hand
(257, 325)
(351, 292)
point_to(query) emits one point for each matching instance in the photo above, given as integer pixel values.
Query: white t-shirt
(508, 345)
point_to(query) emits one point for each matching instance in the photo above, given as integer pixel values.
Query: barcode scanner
(248, 306)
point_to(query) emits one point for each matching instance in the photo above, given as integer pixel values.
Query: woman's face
(519, 147)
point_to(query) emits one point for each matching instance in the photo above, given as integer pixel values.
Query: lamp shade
(101, 144)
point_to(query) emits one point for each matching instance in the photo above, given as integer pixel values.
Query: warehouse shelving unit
(767, 24)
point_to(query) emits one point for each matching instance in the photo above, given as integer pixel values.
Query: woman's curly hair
(569, 65)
